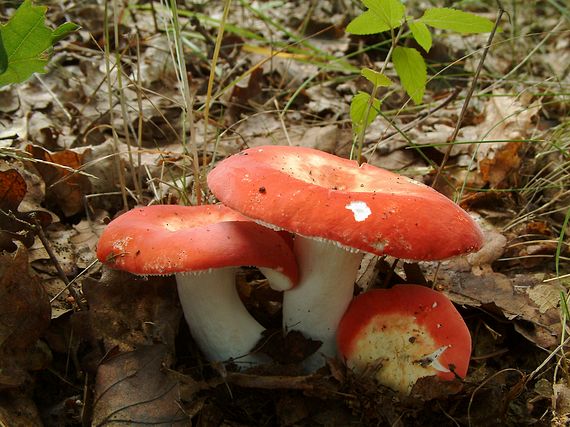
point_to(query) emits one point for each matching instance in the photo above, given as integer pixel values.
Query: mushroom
(338, 210)
(202, 246)
(408, 332)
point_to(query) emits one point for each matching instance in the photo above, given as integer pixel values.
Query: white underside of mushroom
(218, 320)
(316, 305)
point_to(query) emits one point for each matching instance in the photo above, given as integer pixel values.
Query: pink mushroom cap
(168, 239)
(411, 331)
(316, 194)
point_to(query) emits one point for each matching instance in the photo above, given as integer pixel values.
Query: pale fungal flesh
(398, 346)
(215, 292)
(317, 195)
(202, 246)
(316, 306)
(402, 334)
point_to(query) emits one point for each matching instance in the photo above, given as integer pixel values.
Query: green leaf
(358, 108)
(26, 39)
(3, 56)
(390, 11)
(367, 23)
(421, 34)
(28, 42)
(412, 70)
(456, 20)
(382, 15)
(376, 78)
(63, 31)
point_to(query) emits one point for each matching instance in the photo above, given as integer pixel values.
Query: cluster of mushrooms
(305, 218)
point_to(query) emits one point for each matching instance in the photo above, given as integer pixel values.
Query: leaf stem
(373, 94)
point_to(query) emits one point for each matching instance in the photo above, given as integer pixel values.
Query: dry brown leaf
(545, 296)
(59, 237)
(65, 189)
(18, 410)
(506, 119)
(24, 314)
(290, 348)
(15, 225)
(506, 160)
(131, 388)
(127, 311)
(561, 404)
(244, 92)
(85, 240)
(494, 244)
(502, 295)
(12, 190)
(322, 138)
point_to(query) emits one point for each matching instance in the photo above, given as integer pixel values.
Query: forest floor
(110, 127)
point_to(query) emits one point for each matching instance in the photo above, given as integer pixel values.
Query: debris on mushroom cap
(167, 239)
(316, 194)
(409, 332)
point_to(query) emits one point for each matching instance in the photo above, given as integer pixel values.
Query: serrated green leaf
(382, 15)
(26, 39)
(63, 31)
(456, 20)
(412, 70)
(27, 42)
(3, 56)
(367, 23)
(391, 12)
(421, 34)
(376, 78)
(358, 108)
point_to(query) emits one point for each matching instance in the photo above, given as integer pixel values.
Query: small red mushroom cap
(316, 194)
(167, 239)
(409, 332)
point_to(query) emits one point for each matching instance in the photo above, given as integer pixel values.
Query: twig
(45, 242)
(470, 92)
(419, 119)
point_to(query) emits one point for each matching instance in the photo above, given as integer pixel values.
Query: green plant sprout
(390, 15)
(26, 43)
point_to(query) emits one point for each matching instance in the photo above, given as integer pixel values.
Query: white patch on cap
(433, 359)
(360, 210)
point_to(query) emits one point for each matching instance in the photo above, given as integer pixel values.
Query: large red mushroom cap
(316, 194)
(409, 332)
(167, 239)
(210, 241)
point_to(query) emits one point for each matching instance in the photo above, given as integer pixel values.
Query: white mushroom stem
(316, 305)
(218, 320)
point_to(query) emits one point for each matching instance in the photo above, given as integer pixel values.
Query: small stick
(470, 92)
(45, 242)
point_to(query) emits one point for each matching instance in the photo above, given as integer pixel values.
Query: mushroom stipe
(338, 210)
(202, 246)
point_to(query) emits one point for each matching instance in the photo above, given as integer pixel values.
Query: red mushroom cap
(411, 330)
(167, 239)
(316, 194)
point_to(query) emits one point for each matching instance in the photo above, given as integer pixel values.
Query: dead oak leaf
(502, 294)
(25, 313)
(293, 347)
(12, 189)
(132, 388)
(507, 121)
(126, 311)
(505, 161)
(18, 410)
(65, 187)
(15, 225)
